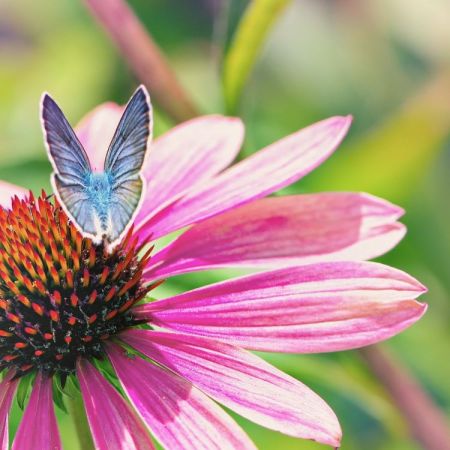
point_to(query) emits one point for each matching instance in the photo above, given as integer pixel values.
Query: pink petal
(266, 171)
(243, 382)
(186, 156)
(285, 231)
(8, 191)
(7, 390)
(315, 308)
(114, 425)
(38, 428)
(96, 130)
(179, 415)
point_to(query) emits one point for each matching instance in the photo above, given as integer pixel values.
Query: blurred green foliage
(384, 62)
(253, 28)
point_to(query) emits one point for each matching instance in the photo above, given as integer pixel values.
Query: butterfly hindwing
(79, 204)
(125, 201)
(124, 162)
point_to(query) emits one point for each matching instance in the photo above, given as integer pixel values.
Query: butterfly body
(99, 191)
(102, 204)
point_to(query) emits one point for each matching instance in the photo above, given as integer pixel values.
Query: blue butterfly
(102, 205)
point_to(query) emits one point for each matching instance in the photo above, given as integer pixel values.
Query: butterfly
(101, 204)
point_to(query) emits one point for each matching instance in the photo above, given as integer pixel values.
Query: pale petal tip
(334, 428)
(333, 442)
(413, 284)
(423, 309)
(388, 208)
(337, 121)
(222, 125)
(419, 287)
(424, 288)
(337, 126)
(235, 122)
(401, 231)
(418, 309)
(335, 438)
(219, 122)
(102, 108)
(225, 120)
(344, 121)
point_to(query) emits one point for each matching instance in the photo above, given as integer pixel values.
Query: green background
(385, 62)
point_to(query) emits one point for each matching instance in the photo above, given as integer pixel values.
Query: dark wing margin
(126, 153)
(66, 153)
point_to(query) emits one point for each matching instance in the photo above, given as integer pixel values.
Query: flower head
(68, 305)
(71, 294)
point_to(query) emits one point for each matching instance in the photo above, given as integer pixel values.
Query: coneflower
(69, 294)
(74, 312)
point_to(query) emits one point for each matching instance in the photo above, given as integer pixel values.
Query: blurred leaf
(389, 160)
(72, 387)
(62, 66)
(106, 369)
(58, 383)
(24, 389)
(252, 30)
(346, 377)
(58, 395)
(31, 174)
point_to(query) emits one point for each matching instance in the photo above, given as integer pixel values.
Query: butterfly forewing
(65, 150)
(126, 153)
(124, 162)
(71, 164)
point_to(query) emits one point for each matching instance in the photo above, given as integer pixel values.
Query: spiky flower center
(61, 295)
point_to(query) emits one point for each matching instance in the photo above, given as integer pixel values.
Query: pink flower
(65, 303)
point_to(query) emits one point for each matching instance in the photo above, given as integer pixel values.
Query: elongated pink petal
(314, 308)
(8, 191)
(96, 130)
(114, 425)
(7, 390)
(285, 231)
(38, 428)
(266, 171)
(188, 155)
(243, 382)
(180, 416)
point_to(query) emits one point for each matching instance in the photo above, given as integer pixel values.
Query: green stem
(256, 23)
(143, 55)
(79, 419)
(427, 423)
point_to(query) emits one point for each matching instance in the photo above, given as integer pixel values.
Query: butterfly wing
(124, 162)
(78, 205)
(125, 201)
(71, 166)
